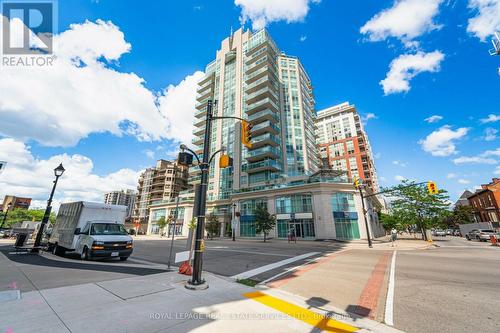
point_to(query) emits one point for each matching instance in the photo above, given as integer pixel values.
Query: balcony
(202, 105)
(263, 116)
(197, 140)
(199, 131)
(270, 165)
(262, 153)
(266, 103)
(200, 113)
(205, 94)
(208, 78)
(199, 122)
(251, 77)
(266, 127)
(265, 140)
(265, 92)
(262, 62)
(265, 51)
(266, 80)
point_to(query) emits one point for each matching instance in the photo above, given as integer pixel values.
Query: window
(345, 216)
(300, 203)
(350, 147)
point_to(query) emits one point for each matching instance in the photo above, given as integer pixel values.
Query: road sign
(182, 256)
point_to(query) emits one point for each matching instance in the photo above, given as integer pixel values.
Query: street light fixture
(5, 214)
(58, 172)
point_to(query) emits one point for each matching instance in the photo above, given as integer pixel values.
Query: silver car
(482, 235)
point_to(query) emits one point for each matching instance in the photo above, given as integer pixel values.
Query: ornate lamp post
(58, 173)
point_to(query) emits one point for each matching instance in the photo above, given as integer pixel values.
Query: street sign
(182, 256)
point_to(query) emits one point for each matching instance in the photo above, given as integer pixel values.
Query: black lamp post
(5, 214)
(58, 173)
(233, 222)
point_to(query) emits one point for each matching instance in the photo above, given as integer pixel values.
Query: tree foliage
(19, 215)
(264, 222)
(462, 215)
(213, 225)
(162, 223)
(414, 205)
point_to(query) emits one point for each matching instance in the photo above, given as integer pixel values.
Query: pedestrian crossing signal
(225, 161)
(246, 134)
(432, 188)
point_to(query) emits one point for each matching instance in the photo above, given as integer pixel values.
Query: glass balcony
(266, 103)
(265, 127)
(263, 116)
(263, 153)
(265, 140)
(265, 92)
(271, 165)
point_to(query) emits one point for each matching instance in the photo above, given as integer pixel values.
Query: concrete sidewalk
(161, 303)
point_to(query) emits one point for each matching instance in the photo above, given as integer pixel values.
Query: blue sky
(444, 70)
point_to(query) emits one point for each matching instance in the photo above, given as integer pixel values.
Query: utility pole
(174, 224)
(364, 216)
(233, 223)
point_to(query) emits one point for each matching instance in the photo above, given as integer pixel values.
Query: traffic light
(246, 134)
(225, 161)
(356, 182)
(432, 188)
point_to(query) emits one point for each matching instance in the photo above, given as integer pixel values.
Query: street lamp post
(233, 222)
(58, 173)
(364, 216)
(5, 214)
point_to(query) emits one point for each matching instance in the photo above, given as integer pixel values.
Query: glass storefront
(345, 216)
(302, 228)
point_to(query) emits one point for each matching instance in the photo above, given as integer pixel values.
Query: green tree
(161, 222)
(264, 222)
(212, 226)
(390, 221)
(414, 205)
(19, 215)
(462, 215)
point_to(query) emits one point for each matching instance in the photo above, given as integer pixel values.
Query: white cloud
(487, 19)
(474, 159)
(405, 20)
(81, 94)
(303, 38)
(399, 178)
(492, 118)
(433, 119)
(263, 12)
(399, 163)
(451, 175)
(495, 152)
(442, 141)
(25, 175)
(497, 170)
(149, 153)
(177, 103)
(490, 134)
(406, 67)
(463, 181)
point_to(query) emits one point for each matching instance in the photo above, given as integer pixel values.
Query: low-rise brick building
(486, 202)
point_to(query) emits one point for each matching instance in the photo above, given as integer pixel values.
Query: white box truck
(93, 230)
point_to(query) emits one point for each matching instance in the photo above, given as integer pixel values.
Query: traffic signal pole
(364, 217)
(196, 279)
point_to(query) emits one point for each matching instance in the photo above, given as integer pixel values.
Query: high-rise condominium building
(344, 144)
(252, 79)
(162, 182)
(123, 197)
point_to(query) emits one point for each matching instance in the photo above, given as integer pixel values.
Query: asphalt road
(454, 288)
(228, 258)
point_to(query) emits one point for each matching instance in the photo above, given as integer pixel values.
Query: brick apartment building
(486, 202)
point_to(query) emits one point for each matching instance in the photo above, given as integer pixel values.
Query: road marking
(368, 301)
(300, 269)
(250, 252)
(312, 318)
(259, 270)
(389, 303)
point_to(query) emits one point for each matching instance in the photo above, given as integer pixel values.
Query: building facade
(250, 78)
(343, 143)
(123, 197)
(486, 202)
(159, 183)
(15, 202)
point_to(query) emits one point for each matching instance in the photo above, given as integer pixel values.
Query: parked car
(439, 233)
(482, 235)
(449, 232)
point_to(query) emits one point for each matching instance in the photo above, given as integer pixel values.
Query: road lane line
(312, 318)
(389, 303)
(300, 269)
(259, 270)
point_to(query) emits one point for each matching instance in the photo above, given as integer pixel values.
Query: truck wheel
(123, 258)
(85, 254)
